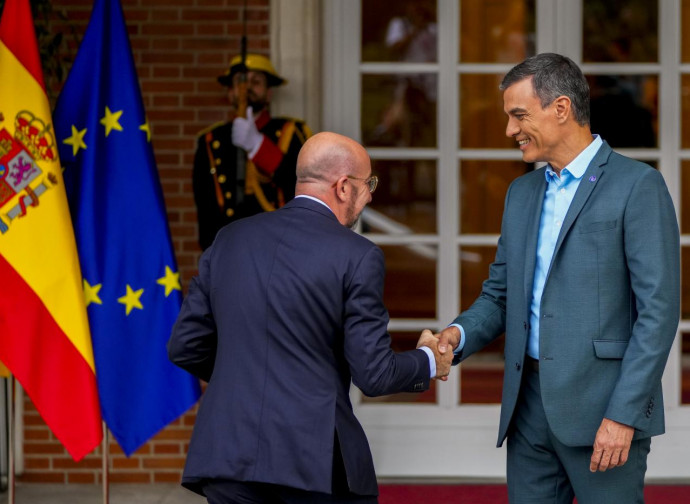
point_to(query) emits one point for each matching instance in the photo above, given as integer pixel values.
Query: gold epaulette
(211, 128)
(303, 131)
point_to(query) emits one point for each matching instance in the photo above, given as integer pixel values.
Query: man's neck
(571, 147)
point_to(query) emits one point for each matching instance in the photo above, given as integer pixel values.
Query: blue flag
(131, 282)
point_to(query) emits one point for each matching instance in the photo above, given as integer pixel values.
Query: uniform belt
(531, 364)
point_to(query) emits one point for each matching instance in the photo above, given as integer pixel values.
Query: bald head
(326, 157)
(334, 169)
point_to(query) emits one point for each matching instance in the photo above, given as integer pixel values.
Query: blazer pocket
(610, 349)
(592, 227)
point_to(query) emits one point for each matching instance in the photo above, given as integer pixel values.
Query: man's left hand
(611, 446)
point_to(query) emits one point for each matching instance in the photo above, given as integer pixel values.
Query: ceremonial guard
(247, 165)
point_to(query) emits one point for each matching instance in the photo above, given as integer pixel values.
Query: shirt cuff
(462, 339)
(432, 360)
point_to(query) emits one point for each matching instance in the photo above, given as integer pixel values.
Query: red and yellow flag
(44, 330)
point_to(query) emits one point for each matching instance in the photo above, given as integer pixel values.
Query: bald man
(287, 310)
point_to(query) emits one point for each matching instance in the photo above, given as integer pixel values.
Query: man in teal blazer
(585, 285)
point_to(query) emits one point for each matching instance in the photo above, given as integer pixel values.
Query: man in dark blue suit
(286, 311)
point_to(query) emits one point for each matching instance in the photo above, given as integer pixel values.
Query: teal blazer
(610, 307)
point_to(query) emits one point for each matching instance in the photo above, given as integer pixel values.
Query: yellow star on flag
(110, 121)
(91, 293)
(147, 129)
(76, 140)
(171, 281)
(131, 299)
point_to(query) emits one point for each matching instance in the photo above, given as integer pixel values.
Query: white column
(295, 27)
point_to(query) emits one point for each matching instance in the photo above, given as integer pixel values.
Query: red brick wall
(179, 46)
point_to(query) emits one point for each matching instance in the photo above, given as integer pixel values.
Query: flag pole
(105, 458)
(10, 479)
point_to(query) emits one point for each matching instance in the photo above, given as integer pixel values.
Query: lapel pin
(593, 178)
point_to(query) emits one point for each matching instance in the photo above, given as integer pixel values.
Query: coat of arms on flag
(44, 331)
(19, 155)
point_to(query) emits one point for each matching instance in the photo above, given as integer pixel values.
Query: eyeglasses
(372, 181)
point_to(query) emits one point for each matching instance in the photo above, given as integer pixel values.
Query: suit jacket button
(517, 366)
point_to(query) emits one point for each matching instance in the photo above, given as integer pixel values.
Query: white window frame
(448, 439)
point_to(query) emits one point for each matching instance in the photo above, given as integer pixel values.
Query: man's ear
(342, 188)
(562, 106)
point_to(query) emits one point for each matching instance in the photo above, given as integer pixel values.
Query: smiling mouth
(523, 142)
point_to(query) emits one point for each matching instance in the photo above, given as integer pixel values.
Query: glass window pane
(483, 187)
(394, 30)
(685, 111)
(405, 199)
(481, 376)
(497, 31)
(625, 109)
(685, 282)
(474, 269)
(624, 31)
(482, 120)
(399, 110)
(685, 368)
(410, 286)
(403, 341)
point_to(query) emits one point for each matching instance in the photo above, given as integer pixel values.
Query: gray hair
(553, 75)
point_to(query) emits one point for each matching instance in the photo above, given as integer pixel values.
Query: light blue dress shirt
(557, 199)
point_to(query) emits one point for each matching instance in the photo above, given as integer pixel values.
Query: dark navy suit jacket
(286, 311)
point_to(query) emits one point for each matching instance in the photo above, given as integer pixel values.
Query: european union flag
(131, 283)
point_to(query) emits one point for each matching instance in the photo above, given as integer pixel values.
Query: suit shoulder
(358, 244)
(628, 165)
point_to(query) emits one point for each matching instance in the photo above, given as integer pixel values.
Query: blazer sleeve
(375, 368)
(651, 244)
(193, 341)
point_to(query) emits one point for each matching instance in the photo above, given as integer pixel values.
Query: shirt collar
(314, 199)
(578, 166)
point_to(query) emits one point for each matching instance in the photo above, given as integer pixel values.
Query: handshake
(442, 345)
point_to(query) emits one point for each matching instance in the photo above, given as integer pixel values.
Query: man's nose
(511, 128)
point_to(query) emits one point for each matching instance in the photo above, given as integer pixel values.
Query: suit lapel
(533, 209)
(589, 181)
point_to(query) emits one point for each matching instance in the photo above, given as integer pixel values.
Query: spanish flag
(44, 331)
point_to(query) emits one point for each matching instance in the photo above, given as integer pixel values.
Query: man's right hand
(443, 361)
(449, 336)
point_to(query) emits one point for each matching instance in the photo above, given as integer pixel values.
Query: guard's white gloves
(245, 135)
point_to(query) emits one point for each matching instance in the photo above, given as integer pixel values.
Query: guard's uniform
(266, 185)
